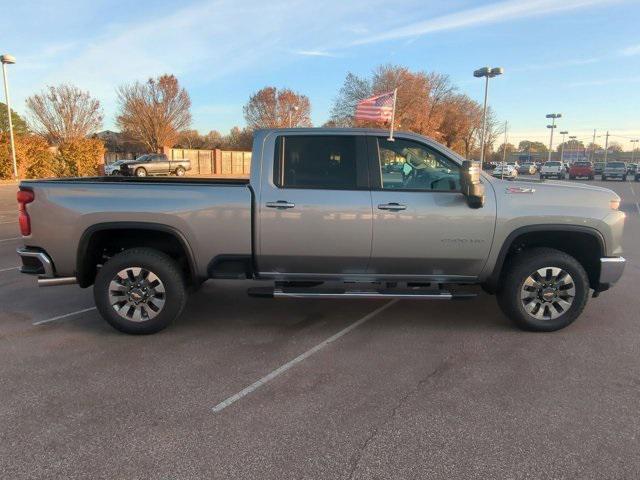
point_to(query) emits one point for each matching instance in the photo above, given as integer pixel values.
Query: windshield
(582, 164)
(553, 164)
(616, 164)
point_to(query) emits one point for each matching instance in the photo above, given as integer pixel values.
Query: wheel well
(97, 246)
(586, 247)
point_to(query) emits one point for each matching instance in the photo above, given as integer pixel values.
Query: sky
(580, 58)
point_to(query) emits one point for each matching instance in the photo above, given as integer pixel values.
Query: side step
(417, 294)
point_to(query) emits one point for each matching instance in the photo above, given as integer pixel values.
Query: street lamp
(294, 108)
(487, 73)
(7, 59)
(633, 149)
(573, 137)
(553, 125)
(563, 133)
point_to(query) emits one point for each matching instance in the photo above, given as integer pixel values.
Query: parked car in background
(303, 221)
(115, 168)
(637, 174)
(598, 167)
(615, 170)
(489, 166)
(581, 169)
(632, 169)
(553, 169)
(506, 171)
(156, 164)
(527, 169)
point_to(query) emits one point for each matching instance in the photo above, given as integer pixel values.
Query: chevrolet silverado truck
(327, 213)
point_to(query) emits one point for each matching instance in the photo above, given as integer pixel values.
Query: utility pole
(606, 146)
(633, 149)
(593, 147)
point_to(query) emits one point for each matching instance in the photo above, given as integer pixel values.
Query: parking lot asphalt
(419, 390)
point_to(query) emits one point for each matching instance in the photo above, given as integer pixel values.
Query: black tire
(180, 171)
(604, 178)
(518, 271)
(541, 177)
(571, 177)
(624, 178)
(164, 268)
(141, 172)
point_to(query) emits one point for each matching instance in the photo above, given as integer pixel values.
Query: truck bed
(212, 215)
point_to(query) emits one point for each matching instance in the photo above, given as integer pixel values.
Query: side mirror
(472, 187)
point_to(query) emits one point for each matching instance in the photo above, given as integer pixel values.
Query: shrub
(33, 156)
(80, 157)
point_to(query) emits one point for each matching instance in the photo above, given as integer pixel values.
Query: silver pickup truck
(331, 213)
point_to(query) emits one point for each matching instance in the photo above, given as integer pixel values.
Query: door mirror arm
(472, 187)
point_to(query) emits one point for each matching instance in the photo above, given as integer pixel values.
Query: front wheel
(140, 291)
(141, 172)
(543, 290)
(180, 171)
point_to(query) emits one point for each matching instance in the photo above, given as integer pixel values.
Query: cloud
(557, 64)
(630, 51)
(314, 53)
(603, 81)
(488, 14)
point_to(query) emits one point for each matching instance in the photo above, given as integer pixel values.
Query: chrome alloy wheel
(136, 294)
(548, 293)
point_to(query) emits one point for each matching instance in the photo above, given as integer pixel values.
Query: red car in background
(581, 169)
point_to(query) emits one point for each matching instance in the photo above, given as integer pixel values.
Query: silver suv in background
(615, 170)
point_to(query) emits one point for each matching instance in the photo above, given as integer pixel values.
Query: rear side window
(316, 161)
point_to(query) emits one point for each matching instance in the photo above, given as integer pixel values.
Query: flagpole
(393, 114)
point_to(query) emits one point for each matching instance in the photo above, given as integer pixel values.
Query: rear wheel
(141, 172)
(180, 171)
(543, 290)
(140, 291)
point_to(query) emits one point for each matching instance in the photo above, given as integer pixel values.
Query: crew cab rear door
(314, 206)
(422, 225)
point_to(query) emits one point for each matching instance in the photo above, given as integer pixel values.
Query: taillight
(24, 197)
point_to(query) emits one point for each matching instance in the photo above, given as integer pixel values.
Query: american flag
(375, 108)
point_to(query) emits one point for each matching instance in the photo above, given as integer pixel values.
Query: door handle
(280, 204)
(393, 206)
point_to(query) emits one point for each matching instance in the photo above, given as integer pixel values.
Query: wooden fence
(213, 162)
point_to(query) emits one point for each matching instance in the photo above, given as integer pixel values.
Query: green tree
(532, 147)
(19, 125)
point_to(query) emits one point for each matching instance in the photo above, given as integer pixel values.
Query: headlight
(614, 203)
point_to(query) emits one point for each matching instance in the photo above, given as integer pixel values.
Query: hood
(568, 198)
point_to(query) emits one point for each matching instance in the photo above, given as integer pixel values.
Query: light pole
(487, 73)
(294, 108)
(563, 133)
(553, 125)
(633, 149)
(573, 137)
(7, 59)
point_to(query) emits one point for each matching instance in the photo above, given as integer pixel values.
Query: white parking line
(280, 370)
(61, 317)
(8, 269)
(9, 239)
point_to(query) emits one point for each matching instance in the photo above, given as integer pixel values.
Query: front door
(422, 225)
(315, 206)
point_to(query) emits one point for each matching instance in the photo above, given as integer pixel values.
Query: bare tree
(155, 111)
(63, 113)
(273, 108)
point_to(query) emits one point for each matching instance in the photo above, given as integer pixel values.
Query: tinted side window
(316, 161)
(408, 165)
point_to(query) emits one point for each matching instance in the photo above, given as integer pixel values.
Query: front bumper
(611, 269)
